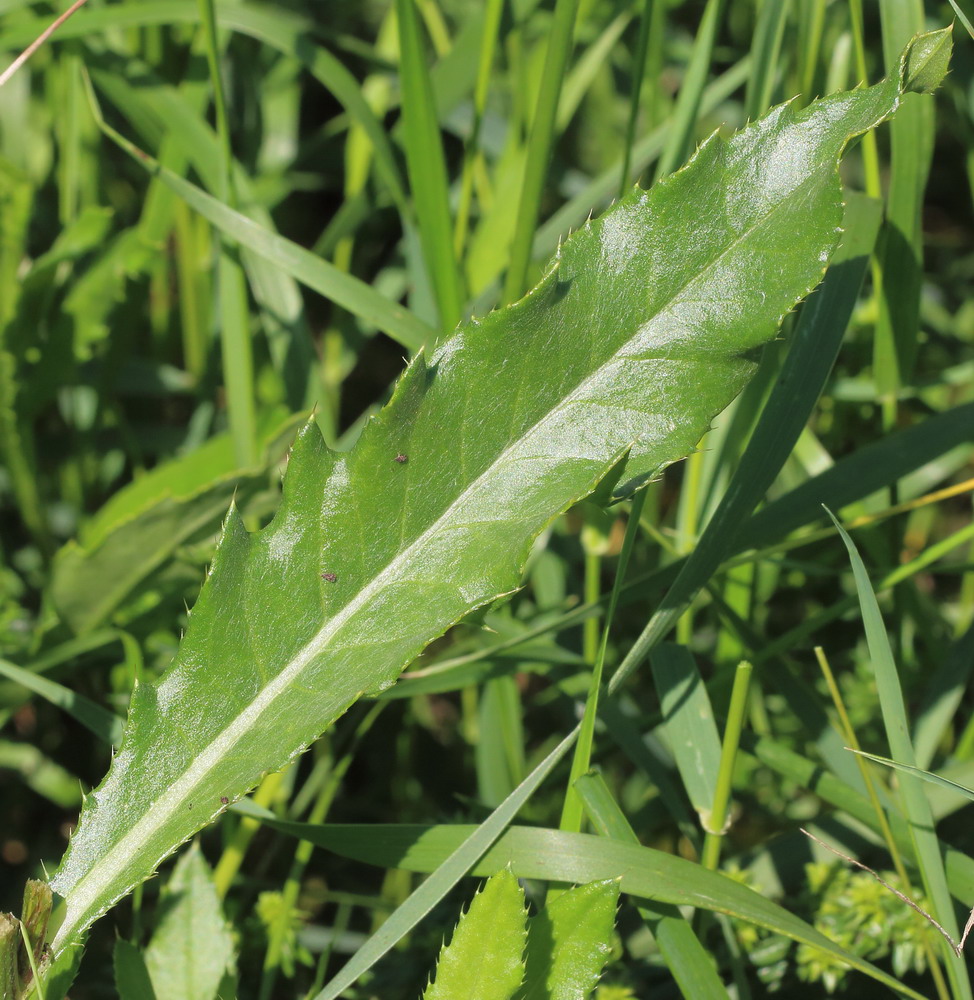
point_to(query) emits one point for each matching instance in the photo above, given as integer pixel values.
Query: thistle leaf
(640, 332)
(485, 958)
(570, 941)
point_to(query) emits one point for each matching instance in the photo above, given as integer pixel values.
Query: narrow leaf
(688, 721)
(692, 966)
(934, 779)
(917, 807)
(449, 871)
(104, 724)
(640, 332)
(575, 857)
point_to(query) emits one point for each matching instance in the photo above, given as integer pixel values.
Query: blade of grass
(154, 108)
(349, 292)
(851, 739)
(927, 558)
(571, 815)
(765, 56)
(590, 62)
(688, 722)
(452, 868)
(897, 732)
(918, 772)
(900, 257)
(639, 73)
(873, 467)
(567, 857)
(810, 774)
(683, 121)
(943, 697)
(500, 745)
(692, 966)
(236, 348)
(472, 154)
(539, 148)
(962, 17)
(286, 32)
(811, 24)
(427, 168)
(870, 150)
(628, 732)
(104, 724)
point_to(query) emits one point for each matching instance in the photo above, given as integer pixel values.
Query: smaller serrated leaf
(484, 959)
(927, 59)
(569, 942)
(131, 976)
(192, 948)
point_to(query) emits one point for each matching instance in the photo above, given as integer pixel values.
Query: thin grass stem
(572, 808)
(716, 824)
(39, 41)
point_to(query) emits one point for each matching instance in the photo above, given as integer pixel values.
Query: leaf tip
(925, 61)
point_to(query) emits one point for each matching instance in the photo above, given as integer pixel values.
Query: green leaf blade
(639, 333)
(192, 947)
(570, 941)
(484, 958)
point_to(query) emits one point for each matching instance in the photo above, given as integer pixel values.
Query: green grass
(215, 218)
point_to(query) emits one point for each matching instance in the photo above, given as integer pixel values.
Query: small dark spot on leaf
(402, 459)
(224, 800)
(329, 578)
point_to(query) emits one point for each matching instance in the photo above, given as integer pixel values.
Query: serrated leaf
(191, 948)
(569, 942)
(639, 333)
(484, 959)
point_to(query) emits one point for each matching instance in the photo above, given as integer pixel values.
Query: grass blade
(104, 724)
(679, 140)
(427, 168)
(446, 875)
(539, 148)
(349, 292)
(917, 807)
